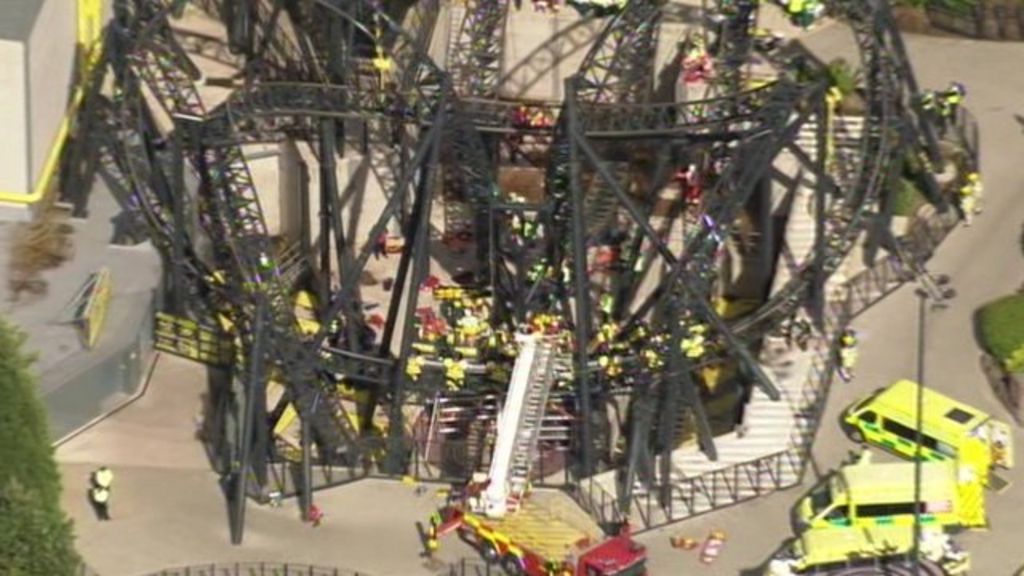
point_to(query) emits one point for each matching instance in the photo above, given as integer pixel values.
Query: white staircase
(763, 455)
(800, 234)
(520, 424)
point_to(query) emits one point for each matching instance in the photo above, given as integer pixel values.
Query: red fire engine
(532, 533)
(547, 536)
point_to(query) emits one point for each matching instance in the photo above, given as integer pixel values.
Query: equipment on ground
(950, 429)
(712, 546)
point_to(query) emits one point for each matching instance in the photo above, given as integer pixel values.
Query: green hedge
(1002, 330)
(906, 198)
(35, 535)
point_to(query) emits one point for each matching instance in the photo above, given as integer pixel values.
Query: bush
(35, 535)
(906, 198)
(1001, 325)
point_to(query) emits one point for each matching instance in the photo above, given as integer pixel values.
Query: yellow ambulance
(950, 430)
(866, 495)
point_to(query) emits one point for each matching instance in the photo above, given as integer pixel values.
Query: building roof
(19, 16)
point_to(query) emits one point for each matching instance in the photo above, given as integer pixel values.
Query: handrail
(52, 164)
(255, 569)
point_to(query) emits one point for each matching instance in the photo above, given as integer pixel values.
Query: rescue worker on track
(951, 100)
(803, 13)
(692, 344)
(414, 367)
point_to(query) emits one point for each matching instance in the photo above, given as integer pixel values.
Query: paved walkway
(168, 511)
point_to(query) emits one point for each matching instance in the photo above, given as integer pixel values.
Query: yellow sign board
(190, 339)
(92, 314)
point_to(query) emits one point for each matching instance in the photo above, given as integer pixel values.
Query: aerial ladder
(519, 426)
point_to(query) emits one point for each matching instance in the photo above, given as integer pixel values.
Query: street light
(937, 289)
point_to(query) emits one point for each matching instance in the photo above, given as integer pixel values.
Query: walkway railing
(465, 567)
(984, 20)
(256, 569)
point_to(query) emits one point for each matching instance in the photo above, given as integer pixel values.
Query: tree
(36, 538)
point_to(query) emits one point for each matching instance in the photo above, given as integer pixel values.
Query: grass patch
(1001, 325)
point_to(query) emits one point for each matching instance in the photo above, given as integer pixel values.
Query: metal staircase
(519, 424)
(800, 234)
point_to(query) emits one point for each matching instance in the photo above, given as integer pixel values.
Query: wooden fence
(985, 20)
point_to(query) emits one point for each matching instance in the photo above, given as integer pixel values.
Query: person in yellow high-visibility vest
(970, 197)
(455, 373)
(414, 367)
(103, 477)
(847, 354)
(692, 345)
(432, 541)
(100, 498)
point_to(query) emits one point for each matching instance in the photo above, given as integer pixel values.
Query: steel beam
(580, 283)
(328, 197)
(252, 407)
(348, 285)
(419, 252)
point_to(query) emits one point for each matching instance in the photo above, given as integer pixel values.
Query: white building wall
(13, 122)
(51, 67)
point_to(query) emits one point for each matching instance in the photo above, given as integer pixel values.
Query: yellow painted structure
(187, 338)
(90, 34)
(93, 314)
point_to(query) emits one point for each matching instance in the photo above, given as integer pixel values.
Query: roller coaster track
(265, 109)
(609, 101)
(235, 223)
(889, 93)
(734, 42)
(883, 137)
(477, 50)
(620, 66)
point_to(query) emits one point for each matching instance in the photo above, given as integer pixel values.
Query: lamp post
(922, 299)
(935, 288)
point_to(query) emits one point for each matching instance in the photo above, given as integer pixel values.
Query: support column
(305, 226)
(418, 251)
(328, 190)
(580, 283)
(252, 407)
(821, 184)
(179, 291)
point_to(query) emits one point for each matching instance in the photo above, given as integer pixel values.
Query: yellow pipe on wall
(90, 31)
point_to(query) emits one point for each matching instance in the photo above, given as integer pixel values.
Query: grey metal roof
(17, 17)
